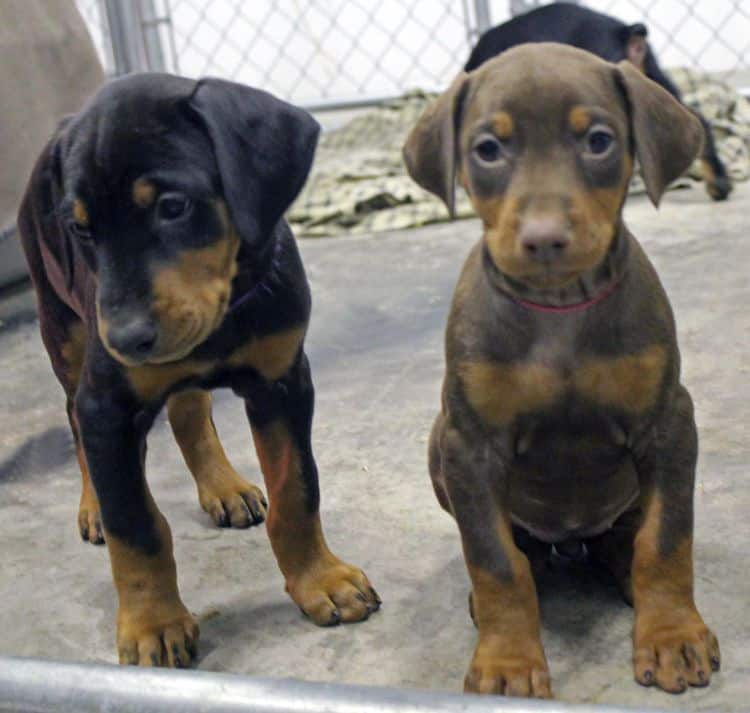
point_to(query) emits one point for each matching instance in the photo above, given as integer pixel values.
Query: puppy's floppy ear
(431, 149)
(667, 136)
(264, 148)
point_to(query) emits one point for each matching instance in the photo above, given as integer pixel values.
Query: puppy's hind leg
(64, 336)
(229, 499)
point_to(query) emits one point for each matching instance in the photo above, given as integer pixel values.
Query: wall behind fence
(328, 52)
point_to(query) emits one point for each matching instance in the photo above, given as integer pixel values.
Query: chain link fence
(333, 53)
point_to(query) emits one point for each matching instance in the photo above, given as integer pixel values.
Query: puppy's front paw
(165, 636)
(675, 656)
(330, 591)
(231, 501)
(495, 669)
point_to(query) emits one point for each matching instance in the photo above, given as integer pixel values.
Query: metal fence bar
(35, 686)
(483, 15)
(134, 34)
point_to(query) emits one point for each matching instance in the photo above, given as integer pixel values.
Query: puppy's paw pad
(331, 592)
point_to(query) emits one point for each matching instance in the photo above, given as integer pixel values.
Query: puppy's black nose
(543, 240)
(134, 339)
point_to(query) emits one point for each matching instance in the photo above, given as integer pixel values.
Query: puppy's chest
(554, 382)
(566, 421)
(269, 356)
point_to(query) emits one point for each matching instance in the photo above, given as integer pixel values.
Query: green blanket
(358, 183)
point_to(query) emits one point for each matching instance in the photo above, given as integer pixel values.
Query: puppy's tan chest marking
(499, 392)
(271, 356)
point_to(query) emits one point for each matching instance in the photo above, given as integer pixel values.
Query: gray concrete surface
(376, 349)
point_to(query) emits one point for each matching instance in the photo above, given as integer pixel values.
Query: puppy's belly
(566, 487)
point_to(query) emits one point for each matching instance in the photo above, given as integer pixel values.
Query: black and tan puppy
(163, 268)
(608, 38)
(563, 419)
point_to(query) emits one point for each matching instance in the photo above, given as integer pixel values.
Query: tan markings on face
(143, 193)
(502, 125)
(579, 119)
(591, 220)
(501, 220)
(80, 214)
(499, 393)
(631, 382)
(190, 298)
(151, 381)
(74, 352)
(270, 356)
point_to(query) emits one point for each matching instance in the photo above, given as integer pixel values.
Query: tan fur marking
(270, 356)
(507, 616)
(296, 534)
(672, 646)
(191, 297)
(151, 381)
(80, 214)
(579, 119)
(631, 382)
(502, 125)
(144, 192)
(499, 392)
(222, 492)
(150, 609)
(708, 173)
(73, 352)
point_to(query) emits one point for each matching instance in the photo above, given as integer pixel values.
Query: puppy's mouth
(174, 342)
(175, 346)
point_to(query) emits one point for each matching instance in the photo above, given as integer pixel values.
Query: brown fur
(562, 408)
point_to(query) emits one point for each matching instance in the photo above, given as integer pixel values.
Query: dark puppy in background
(163, 268)
(608, 38)
(563, 418)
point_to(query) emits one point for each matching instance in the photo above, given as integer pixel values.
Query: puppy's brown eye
(598, 141)
(172, 206)
(489, 149)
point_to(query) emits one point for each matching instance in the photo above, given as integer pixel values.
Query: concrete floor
(376, 349)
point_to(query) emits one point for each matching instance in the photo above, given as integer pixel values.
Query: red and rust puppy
(163, 267)
(563, 417)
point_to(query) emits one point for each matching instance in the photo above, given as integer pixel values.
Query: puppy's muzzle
(543, 240)
(134, 338)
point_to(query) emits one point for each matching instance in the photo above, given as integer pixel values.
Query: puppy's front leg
(672, 647)
(325, 588)
(509, 658)
(153, 625)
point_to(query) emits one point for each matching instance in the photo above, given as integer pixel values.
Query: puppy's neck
(589, 288)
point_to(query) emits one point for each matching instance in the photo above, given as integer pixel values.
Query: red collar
(577, 307)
